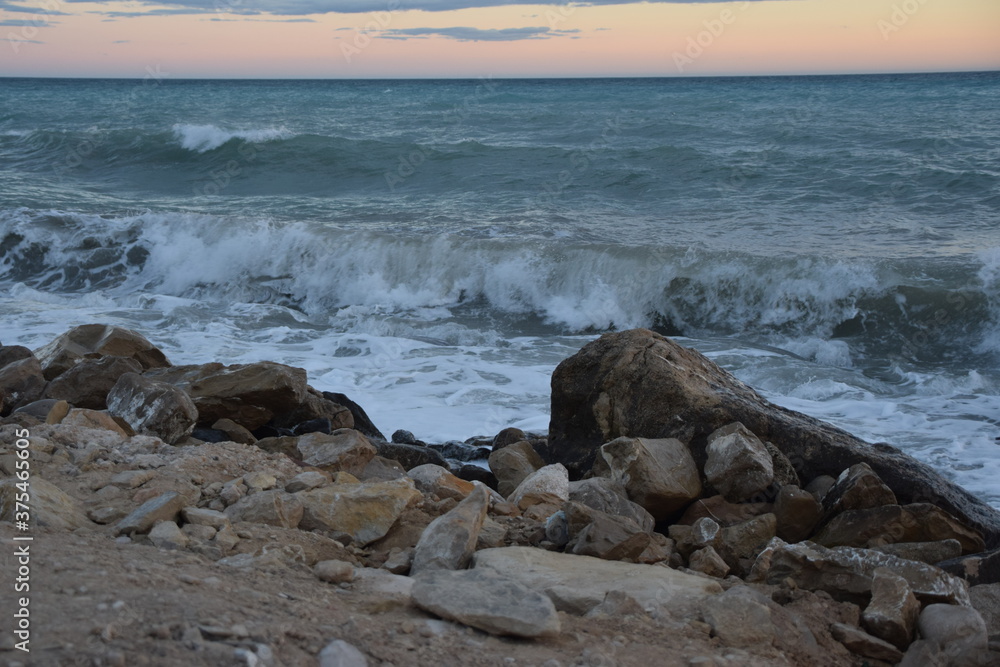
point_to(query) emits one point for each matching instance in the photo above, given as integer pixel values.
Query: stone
(272, 508)
(344, 449)
(314, 413)
(983, 568)
(610, 497)
(359, 513)
(167, 535)
(339, 653)
(388, 586)
(86, 384)
(434, 480)
(487, 601)
(888, 524)
(152, 408)
(637, 383)
(722, 511)
(861, 643)
(708, 561)
(953, 626)
(409, 456)
(286, 444)
(738, 464)
(21, 383)
(986, 600)
(226, 539)
(739, 545)
(545, 486)
(97, 340)
(925, 552)
(164, 507)
(205, 517)
(660, 475)
(857, 488)
(399, 561)
(259, 480)
(362, 423)
(334, 571)
(132, 479)
(762, 564)
(797, 513)
(381, 469)
(106, 515)
(508, 436)
(234, 432)
(740, 618)
(512, 464)
(594, 533)
(40, 409)
(820, 486)
(576, 584)
(404, 437)
(11, 353)
(449, 541)
(94, 419)
(784, 470)
(199, 533)
(846, 573)
(49, 506)
(305, 481)
(892, 613)
(471, 472)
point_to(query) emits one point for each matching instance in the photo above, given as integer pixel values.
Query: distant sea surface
(434, 248)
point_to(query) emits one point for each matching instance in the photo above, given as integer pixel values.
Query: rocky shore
(234, 515)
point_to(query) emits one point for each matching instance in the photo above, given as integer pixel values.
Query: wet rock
(344, 449)
(857, 488)
(21, 383)
(892, 613)
(272, 508)
(358, 513)
(610, 497)
(86, 385)
(403, 437)
(152, 408)
(434, 480)
(486, 601)
(449, 541)
(888, 524)
(658, 474)
(797, 512)
(861, 643)
(459, 451)
(512, 464)
(164, 507)
(97, 340)
(49, 506)
(339, 653)
(738, 465)
(362, 423)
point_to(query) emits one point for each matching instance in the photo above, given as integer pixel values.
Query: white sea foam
(204, 138)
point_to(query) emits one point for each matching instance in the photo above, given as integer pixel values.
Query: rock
(888, 524)
(797, 512)
(49, 506)
(740, 617)
(610, 497)
(594, 533)
(381, 470)
(339, 653)
(362, 423)
(321, 425)
(197, 533)
(722, 511)
(344, 449)
(986, 600)
(259, 480)
(403, 437)
(106, 515)
(487, 601)
(453, 450)
(508, 436)
(131, 479)
(409, 456)
(739, 545)
(983, 568)
(11, 353)
(658, 474)
(287, 445)
(512, 464)
(449, 541)
(96, 420)
(892, 613)
(545, 486)
(272, 508)
(931, 553)
(164, 507)
(576, 584)
(434, 480)
(738, 464)
(784, 470)
(41, 409)
(314, 412)
(205, 517)
(399, 561)
(639, 384)
(334, 571)
(846, 573)
(97, 340)
(306, 481)
(953, 626)
(21, 383)
(234, 432)
(861, 643)
(359, 513)
(86, 385)
(820, 486)
(385, 585)
(166, 535)
(708, 561)
(152, 408)
(473, 473)
(857, 488)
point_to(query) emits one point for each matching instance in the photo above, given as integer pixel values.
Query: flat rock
(167, 535)
(982, 568)
(449, 541)
(738, 464)
(205, 517)
(344, 449)
(740, 618)
(512, 463)
(97, 340)
(435, 480)
(576, 584)
(305, 481)
(86, 384)
(861, 643)
(152, 408)
(272, 508)
(888, 524)
(164, 507)
(49, 505)
(360, 513)
(487, 601)
(932, 553)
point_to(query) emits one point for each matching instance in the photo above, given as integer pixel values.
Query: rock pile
(681, 498)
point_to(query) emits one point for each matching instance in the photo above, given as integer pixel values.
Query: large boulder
(357, 513)
(97, 340)
(152, 408)
(21, 383)
(889, 524)
(639, 384)
(512, 463)
(344, 449)
(448, 542)
(86, 385)
(738, 464)
(362, 422)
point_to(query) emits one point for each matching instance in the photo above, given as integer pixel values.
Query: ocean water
(434, 248)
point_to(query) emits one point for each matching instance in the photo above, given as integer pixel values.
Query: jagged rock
(784, 470)
(576, 584)
(512, 464)
(820, 486)
(708, 561)
(306, 481)
(931, 553)
(167, 535)
(739, 545)
(658, 474)
(272, 508)
(956, 627)
(722, 511)
(234, 432)
(797, 512)
(339, 653)
(334, 571)
(21, 383)
(164, 507)
(857, 488)
(740, 617)
(404, 437)
(592, 532)
(448, 542)
(888, 524)
(362, 422)
(846, 573)
(861, 643)
(41, 409)
(983, 568)
(205, 517)
(320, 425)
(49, 505)
(610, 497)
(314, 409)
(86, 385)
(359, 513)
(892, 613)
(508, 436)
(762, 564)
(152, 408)
(434, 480)
(344, 449)
(287, 445)
(97, 340)
(95, 420)
(738, 465)
(485, 600)
(545, 486)
(409, 456)
(639, 384)
(381, 469)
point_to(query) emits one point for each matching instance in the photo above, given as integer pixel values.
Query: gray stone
(306, 481)
(740, 618)
(273, 508)
(449, 541)
(97, 340)
(591, 532)
(887, 524)
(861, 643)
(953, 626)
(610, 497)
(986, 600)
(205, 517)
(152, 408)
(360, 513)
(487, 601)
(164, 507)
(166, 535)
(892, 613)
(344, 449)
(334, 571)
(339, 653)
(548, 485)
(738, 464)
(512, 464)
(707, 561)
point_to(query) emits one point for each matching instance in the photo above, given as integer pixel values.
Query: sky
(493, 38)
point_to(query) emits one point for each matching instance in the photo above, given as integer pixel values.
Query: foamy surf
(204, 138)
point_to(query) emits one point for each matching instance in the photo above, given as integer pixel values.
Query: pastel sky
(493, 38)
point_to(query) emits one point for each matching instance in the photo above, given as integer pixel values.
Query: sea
(434, 248)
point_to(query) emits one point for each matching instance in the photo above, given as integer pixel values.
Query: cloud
(25, 23)
(463, 34)
(122, 41)
(7, 7)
